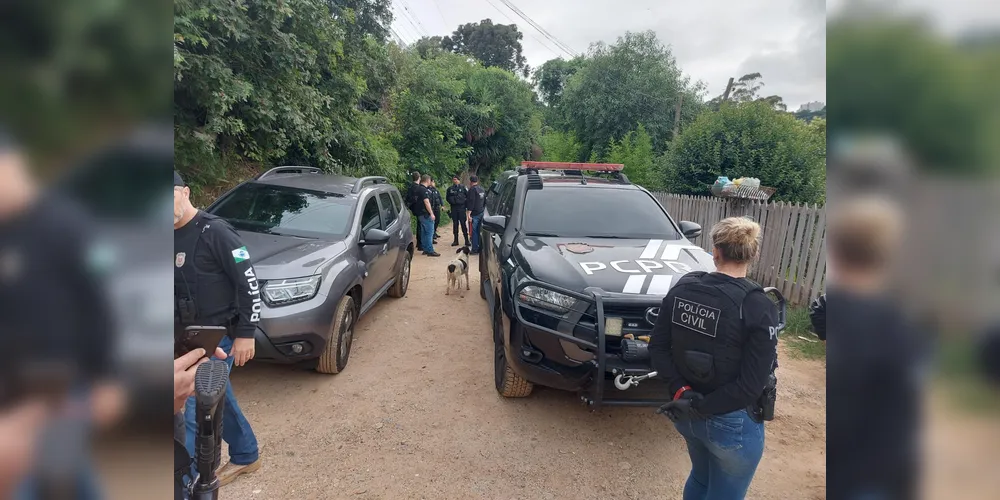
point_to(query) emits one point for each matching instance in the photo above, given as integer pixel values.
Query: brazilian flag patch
(241, 254)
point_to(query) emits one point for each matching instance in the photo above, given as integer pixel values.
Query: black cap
(473, 178)
(456, 177)
(178, 181)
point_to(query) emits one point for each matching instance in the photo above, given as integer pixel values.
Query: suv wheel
(398, 289)
(338, 349)
(483, 278)
(508, 383)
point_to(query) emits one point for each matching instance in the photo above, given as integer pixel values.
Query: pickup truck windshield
(595, 212)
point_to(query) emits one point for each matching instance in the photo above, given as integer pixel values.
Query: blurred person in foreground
(874, 359)
(57, 371)
(715, 343)
(215, 285)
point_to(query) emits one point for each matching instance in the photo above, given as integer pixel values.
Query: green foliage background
(259, 83)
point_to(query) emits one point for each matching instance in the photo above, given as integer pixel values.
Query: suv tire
(402, 283)
(508, 383)
(338, 349)
(483, 278)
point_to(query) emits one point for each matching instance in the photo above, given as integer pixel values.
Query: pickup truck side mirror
(374, 237)
(494, 223)
(690, 230)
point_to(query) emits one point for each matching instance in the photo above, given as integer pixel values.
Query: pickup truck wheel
(338, 349)
(508, 383)
(483, 277)
(399, 288)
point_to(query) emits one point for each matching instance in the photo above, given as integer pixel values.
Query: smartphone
(193, 337)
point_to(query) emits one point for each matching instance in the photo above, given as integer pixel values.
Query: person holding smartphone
(215, 285)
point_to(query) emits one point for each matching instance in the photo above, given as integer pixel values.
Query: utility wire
(413, 16)
(565, 48)
(532, 35)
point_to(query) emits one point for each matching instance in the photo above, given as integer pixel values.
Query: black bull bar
(601, 299)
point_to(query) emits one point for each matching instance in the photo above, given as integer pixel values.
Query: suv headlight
(284, 292)
(547, 299)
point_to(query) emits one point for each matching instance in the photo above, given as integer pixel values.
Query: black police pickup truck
(574, 267)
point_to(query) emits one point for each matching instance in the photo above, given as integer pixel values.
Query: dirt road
(415, 415)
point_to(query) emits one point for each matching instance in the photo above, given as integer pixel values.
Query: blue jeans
(236, 430)
(477, 220)
(426, 233)
(87, 483)
(724, 450)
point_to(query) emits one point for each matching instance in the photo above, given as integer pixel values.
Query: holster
(763, 409)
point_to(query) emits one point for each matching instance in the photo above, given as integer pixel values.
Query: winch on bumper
(593, 343)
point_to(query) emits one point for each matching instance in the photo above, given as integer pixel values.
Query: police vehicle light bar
(591, 167)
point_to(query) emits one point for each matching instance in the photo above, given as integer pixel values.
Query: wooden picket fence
(793, 250)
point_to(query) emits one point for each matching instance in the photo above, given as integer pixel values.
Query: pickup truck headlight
(284, 292)
(547, 299)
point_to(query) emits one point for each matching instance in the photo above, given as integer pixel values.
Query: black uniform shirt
(212, 267)
(759, 348)
(421, 193)
(435, 197)
(456, 196)
(54, 305)
(477, 200)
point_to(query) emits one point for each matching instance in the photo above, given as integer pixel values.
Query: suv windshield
(595, 212)
(286, 211)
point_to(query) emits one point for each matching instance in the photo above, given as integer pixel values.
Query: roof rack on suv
(372, 179)
(613, 170)
(290, 170)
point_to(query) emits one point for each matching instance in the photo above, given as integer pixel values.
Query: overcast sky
(784, 40)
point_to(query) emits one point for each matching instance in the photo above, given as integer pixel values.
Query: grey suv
(325, 249)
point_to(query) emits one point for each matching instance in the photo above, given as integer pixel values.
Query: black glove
(817, 316)
(682, 408)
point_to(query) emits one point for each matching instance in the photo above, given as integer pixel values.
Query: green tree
(749, 139)
(500, 123)
(747, 89)
(559, 146)
(634, 81)
(426, 110)
(550, 78)
(635, 151)
(495, 45)
(290, 81)
(428, 47)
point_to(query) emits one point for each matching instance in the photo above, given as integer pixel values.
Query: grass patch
(797, 327)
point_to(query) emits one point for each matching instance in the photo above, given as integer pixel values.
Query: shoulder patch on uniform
(241, 254)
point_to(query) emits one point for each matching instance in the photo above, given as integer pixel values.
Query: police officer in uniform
(436, 203)
(456, 197)
(413, 192)
(215, 285)
(715, 344)
(474, 208)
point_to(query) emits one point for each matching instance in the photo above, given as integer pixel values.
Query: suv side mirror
(374, 237)
(690, 229)
(494, 223)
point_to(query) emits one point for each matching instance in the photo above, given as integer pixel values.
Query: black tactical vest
(706, 329)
